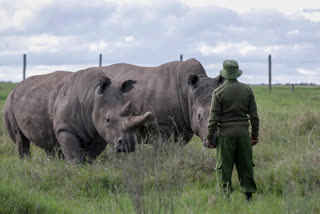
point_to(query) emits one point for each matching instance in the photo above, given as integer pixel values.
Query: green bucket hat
(230, 69)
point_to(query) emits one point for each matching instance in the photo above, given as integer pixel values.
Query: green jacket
(231, 104)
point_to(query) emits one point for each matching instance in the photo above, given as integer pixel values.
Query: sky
(70, 34)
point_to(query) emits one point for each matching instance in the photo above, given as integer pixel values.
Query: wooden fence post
(270, 84)
(181, 57)
(24, 66)
(100, 60)
(292, 88)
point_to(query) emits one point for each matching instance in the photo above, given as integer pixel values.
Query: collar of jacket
(230, 80)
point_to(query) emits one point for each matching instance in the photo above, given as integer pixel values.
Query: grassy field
(170, 179)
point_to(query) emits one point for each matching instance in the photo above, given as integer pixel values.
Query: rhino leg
(15, 133)
(96, 149)
(186, 139)
(23, 144)
(71, 147)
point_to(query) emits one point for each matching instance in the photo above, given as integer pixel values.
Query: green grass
(177, 180)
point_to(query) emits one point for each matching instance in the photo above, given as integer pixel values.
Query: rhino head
(112, 118)
(200, 93)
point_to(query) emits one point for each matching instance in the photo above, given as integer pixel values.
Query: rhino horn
(140, 120)
(126, 109)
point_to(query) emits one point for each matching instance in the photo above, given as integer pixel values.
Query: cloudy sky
(70, 34)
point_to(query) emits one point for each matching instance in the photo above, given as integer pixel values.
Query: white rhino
(79, 112)
(178, 94)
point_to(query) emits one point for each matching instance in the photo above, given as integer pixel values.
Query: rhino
(76, 113)
(177, 93)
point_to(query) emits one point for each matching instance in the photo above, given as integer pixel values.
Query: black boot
(249, 196)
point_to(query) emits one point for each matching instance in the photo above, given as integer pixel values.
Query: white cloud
(4, 19)
(138, 2)
(310, 72)
(129, 38)
(293, 32)
(22, 17)
(149, 32)
(19, 14)
(242, 48)
(295, 8)
(14, 73)
(213, 66)
(248, 49)
(104, 46)
(246, 5)
(313, 16)
(42, 43)
(45, 43)
(31, 4)
(271, 49)
(99, 46)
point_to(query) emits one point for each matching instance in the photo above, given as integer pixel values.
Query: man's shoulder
(247, 87)
(219, 89)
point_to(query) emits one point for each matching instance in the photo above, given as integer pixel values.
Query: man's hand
(254, 140)
(208, 144)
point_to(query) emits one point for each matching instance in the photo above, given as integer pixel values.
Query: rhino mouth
(125, 146)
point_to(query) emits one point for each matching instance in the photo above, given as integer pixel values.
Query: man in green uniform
(231, 104)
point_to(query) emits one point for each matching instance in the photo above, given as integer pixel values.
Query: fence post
(100, 60)
(24, 66)
(269, 72)
(181, 57)
(292, 88)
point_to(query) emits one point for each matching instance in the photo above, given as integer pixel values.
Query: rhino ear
(127, 85)
(126, 109)
(104, 83)
(193, 80)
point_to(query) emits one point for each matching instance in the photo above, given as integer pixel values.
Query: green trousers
(235, 150)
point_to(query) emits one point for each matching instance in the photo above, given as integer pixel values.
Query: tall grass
(167, 178)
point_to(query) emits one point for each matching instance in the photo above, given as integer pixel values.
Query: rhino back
(155, 90)
(32, 104)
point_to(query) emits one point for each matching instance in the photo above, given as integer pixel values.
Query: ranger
(231, 104)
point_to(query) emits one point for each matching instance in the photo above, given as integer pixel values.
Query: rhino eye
(199, 116)
(108, 120)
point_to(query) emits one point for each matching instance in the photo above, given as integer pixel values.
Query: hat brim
(225, 74)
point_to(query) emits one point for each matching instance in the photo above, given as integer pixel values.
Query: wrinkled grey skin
(78, 113)
(179, 91)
